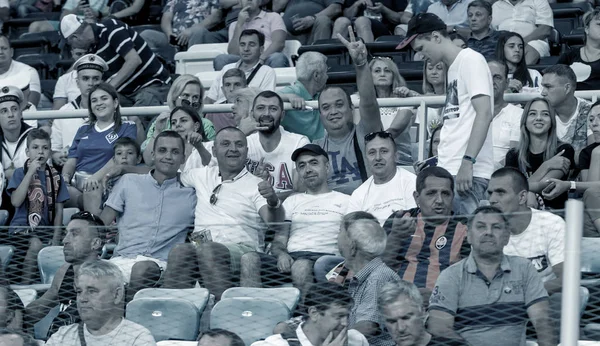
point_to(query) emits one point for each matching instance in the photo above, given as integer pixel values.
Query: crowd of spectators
(329, 199)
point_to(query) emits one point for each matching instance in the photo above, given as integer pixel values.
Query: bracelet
(361, 65)
(469, 158)
(275, 206)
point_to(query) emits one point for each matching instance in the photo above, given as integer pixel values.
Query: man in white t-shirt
(10, 68)
(506, 126)
(534, 234)
(271, 147)
(311, 228)
(100, 295)
(466, 148)
(66, 89)
(390, 188)
(89, 70)
(558, 87)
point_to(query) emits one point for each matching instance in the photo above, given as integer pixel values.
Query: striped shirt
(114, 39)
(430, 249)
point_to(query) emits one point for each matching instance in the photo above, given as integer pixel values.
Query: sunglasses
(380, 134)
(87, 216)
(215, 195)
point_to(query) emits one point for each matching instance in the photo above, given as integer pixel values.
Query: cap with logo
(11, 93)
(69, 24)
(312, 148)
(422, 23)
(90, 62)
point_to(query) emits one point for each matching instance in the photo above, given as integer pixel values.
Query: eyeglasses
(185, 100)
(87, 216)
(380, 134)
(215, 195)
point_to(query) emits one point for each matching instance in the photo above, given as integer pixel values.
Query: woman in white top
(511, 48)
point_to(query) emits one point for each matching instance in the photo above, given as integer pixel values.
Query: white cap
(69, 24)
(11, 93)
(90, 61)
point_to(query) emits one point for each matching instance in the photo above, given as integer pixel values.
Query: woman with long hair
(188, 123)
(511, 49)
(540, 155)
(92, 148)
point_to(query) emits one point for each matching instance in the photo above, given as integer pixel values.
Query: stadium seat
(565, 25)
(37, 62)
(50, 259)
(333, 49)
(176, 343)
(40, 329)
(285, 75)
(6, 253)
(63, 65)
(166, 318)
(388, 49)
(15, 27)
(48, 86)
(29, 45)
(250, 318)
(67, 213)
(197, 296)
(590, 262)
(27, 295)
(288, 295)
(199, 58)
(45, 15)
(291, 50)
(3, 217)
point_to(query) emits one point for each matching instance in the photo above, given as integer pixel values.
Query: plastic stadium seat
(333, 49)
(37, 62)
(590, 261)
(27, 295)
(40, 329)
(48, 86)
(176, 343)
(199, 58)
(291, 50)
(207, 78)
(250, 318)
(63, 65)
(6, 253)
(67, 213)
(388, 49)
(3, 217)
(29, 45)
(197, 296)
(389, 38)
(50, 259)
(166, 318)
(565, 25)
(285, 75)
(287, 295)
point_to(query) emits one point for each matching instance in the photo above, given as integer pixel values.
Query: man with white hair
(311, 74)
(100, 291)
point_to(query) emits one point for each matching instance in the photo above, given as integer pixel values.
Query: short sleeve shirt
(576, 130)
(264, 79)
(587, 73)
(486, 46)
(265, 22)
(585, 157)
(18, 69)
(486, 310)
(127, 333)
(523, 17)
(187, 13)
(455, 16)
(66, 87)
(304, 122)
(506, 128)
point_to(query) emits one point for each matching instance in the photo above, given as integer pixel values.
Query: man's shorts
(236, 251)
(270, 274)
(541, 46)
(126, 264)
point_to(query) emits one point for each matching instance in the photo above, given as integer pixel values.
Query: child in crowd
(37, 191)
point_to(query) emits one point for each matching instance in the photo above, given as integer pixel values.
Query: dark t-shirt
(588, 73)
(394, 5)
(585, 157)
(303, 8)
(535, 161)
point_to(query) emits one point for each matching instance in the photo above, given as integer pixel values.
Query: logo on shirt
(451, 109)
(111, 137)
(540, 263)
(441, 242)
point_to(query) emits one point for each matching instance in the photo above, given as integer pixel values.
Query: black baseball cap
(422, 23)
(313, 148)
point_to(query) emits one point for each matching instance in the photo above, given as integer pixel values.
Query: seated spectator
(134, 70)
(160, 196)
(532, 19)
(257, 75)
(188, 124)
(92, 148)
(311, 228)
(270, 148)
(311, 74)
(461, 309)
(23, 82)
(83, 241)
(401, 305)
(233, 80)
(482, 38)
(11, 309)
(558, 87)
(4, 11)
(38, 220)
(375, 195)
(425, 240)
(219, 337)
(100, 293)
(451, 12)
(66, 89)
(326, 322)
(414, 7)
(585, 61)
(540, 155)
(84, 10)
(343, 140)
(370, 19)
(309, 21)
(510, 49)
(11, 337)
(458, 40)
(12, 69)
(590, 172)
(186, 90)
(270, 24)
(507, 116)
(434, 142)
(89, 70)
(187, 23)
(133, 13)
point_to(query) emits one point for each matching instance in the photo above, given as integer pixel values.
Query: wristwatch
(573, 187)
(469, 158)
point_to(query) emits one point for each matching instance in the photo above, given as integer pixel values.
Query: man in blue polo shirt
(486, 298)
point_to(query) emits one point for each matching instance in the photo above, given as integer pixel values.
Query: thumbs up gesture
(266, 189)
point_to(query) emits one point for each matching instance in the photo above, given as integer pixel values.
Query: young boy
(126, 153)
(37, 191)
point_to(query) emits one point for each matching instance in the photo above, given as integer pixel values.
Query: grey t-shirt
(344, 174)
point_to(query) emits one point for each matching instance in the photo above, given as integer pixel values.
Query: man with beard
(270, 148)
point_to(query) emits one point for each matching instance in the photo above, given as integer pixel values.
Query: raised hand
(194, 138)
(266, 189)
(357, 49)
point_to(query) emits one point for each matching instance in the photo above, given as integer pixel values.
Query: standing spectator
(309, 21)
(270, 24)
(66, 88)
(507, 117)
(134, 69)
(460, 306)
(585, 61)
(257, 75)
(10, 68)
(13, 130)
(559, 84)
(100, 293)
(482, 38)
(510, 49)
(532, 19)
(466, 148)
(371, 19)
(540, 155)
(375, 195)
(311, 74)
(451, 12)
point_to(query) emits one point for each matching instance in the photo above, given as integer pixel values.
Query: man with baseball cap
(310, 231)
(90, 69)
(133, 69)
(465, 148)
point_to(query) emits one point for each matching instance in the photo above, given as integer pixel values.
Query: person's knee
(277, 59)
(302, 268)
(211, 253)
(199, 35)
(342, 22)
(145, 270)
(35, 245)
(362, 23)
(250, 259)
(182, 253)
(322, 21)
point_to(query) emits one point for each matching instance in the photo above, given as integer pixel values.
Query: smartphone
(173, 40)
(431, 162)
